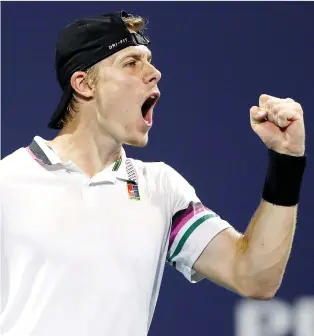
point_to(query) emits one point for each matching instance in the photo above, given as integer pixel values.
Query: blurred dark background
(216, 59)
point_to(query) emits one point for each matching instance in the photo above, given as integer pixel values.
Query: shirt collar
(40, 151)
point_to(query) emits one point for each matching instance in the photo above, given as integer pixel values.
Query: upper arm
(193, 225)
(218, 260)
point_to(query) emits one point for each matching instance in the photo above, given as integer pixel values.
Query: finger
(266, 100)
(276, 106)
(289, 100)
(291, 108)
(296, 106)
(273, 106)
(285, 117)
(263, 100)
(257, 114)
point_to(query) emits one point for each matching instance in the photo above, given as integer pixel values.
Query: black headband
(84, 43)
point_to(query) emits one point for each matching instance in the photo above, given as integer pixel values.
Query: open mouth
(148, 106)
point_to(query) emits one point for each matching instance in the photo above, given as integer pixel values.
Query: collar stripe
(38, 153)
(117, 164)
(131, 171)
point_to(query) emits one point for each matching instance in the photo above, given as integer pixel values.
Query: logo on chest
(133, 191)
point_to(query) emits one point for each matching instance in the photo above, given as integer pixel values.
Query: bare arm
(252, 264)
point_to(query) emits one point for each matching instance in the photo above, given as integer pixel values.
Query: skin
(251, 264)
(110, 110)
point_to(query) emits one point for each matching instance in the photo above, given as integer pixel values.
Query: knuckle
(298, 106)
(253, 109)
(269, 104)
(282, 114)
(277, 108)
(262, 97)
(289, 100)
(272, 103)
(294, 105)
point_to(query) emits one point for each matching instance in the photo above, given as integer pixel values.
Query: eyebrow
(138, 56)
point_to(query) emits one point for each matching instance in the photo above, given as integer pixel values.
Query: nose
(152, 75)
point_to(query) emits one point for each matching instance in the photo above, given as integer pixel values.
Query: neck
(88, 149)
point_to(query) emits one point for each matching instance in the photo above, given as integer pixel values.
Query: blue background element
(216, 59)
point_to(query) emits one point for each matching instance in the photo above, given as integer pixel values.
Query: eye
(131, 64)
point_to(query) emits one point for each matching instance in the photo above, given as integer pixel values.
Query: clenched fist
(280, 125)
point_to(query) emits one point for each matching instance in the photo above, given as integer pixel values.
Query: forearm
(264, 249)
(253, 263)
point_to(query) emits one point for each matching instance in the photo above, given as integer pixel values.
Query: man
(87, 231)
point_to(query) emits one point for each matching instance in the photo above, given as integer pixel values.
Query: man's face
(127, 80)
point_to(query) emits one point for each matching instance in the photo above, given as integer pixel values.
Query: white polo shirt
(85, 256)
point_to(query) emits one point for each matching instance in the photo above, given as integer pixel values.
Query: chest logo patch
(133, 191)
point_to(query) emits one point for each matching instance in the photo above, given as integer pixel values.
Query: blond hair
(135, 23)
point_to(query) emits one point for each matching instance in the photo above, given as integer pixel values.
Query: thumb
(257, 115)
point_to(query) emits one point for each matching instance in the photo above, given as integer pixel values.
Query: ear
(81, 85)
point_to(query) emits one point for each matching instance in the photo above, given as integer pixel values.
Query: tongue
(148, 117)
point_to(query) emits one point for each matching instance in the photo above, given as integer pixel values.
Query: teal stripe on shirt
(188, 233)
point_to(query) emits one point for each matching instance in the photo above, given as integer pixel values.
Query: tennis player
(86, 231)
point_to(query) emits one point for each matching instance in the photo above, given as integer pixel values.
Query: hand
(280, 125)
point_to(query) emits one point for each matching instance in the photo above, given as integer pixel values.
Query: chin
(140, 141)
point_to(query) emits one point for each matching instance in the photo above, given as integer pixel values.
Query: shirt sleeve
(193, 225)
